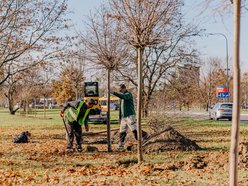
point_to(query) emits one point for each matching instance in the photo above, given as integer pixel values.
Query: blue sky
(211, 46)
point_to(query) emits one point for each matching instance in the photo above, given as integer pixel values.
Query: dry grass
(45, 162)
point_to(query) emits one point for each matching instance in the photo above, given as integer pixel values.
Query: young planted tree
(104, 47)
(144, 23)
(234, 151)
(237, 5)
(27, 33)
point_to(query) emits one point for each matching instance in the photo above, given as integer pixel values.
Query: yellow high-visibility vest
(72, 114)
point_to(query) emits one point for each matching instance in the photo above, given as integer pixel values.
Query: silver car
(221, 111)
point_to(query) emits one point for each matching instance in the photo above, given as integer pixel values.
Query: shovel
(65, 127)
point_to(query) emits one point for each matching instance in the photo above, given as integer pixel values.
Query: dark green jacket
(127, 106)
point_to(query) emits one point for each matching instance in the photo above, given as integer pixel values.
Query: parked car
(221, 111)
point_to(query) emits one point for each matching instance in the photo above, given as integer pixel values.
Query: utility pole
(227, 66)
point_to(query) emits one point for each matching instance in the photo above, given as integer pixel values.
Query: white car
(221, 111)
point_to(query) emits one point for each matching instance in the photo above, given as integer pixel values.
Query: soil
(167, 140)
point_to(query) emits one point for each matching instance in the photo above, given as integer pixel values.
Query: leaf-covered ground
(44, 161)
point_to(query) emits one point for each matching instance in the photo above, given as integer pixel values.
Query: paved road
(205, 115)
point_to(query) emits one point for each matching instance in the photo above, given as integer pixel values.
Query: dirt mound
(167, 140)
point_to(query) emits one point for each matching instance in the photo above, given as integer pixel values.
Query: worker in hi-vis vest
(75, 116)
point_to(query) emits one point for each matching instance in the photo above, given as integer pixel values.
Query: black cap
(91, 101)
(122, 86)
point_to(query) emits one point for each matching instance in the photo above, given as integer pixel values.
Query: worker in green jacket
(128, 118)
(75, 115)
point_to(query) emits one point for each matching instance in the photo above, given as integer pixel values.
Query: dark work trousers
(73, 129)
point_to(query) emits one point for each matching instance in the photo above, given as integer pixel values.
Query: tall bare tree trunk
(44, 106)
(26, 109)
(233, 179)
(108, 114)
(9, 96)
(139, 103)
(11, 106)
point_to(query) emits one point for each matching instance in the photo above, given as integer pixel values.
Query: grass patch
(44, 161)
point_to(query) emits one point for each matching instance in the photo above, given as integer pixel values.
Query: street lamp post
(227, 77)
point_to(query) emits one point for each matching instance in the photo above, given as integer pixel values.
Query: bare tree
(104, 47)
(21, 88)
(10, 92)
(212, 75)
(224, 6)
(29, 88)
(27, 29)
(183, 86)
(160, 61)
(144, 22)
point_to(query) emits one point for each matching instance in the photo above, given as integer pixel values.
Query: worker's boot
(79, 149)
(144, 136)
(135, 132)
(69, 149)
(122, 141)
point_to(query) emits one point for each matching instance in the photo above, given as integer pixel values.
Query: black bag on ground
(22, 138)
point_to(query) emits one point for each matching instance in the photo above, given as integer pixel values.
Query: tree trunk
(9, 96)
(108, 114)
(233, 179)
(24, 107)
(26, 101)
(180, 106)
(139, 102)
(11, 108)
(44, 106)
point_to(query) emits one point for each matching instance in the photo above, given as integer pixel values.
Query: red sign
(221, 89)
